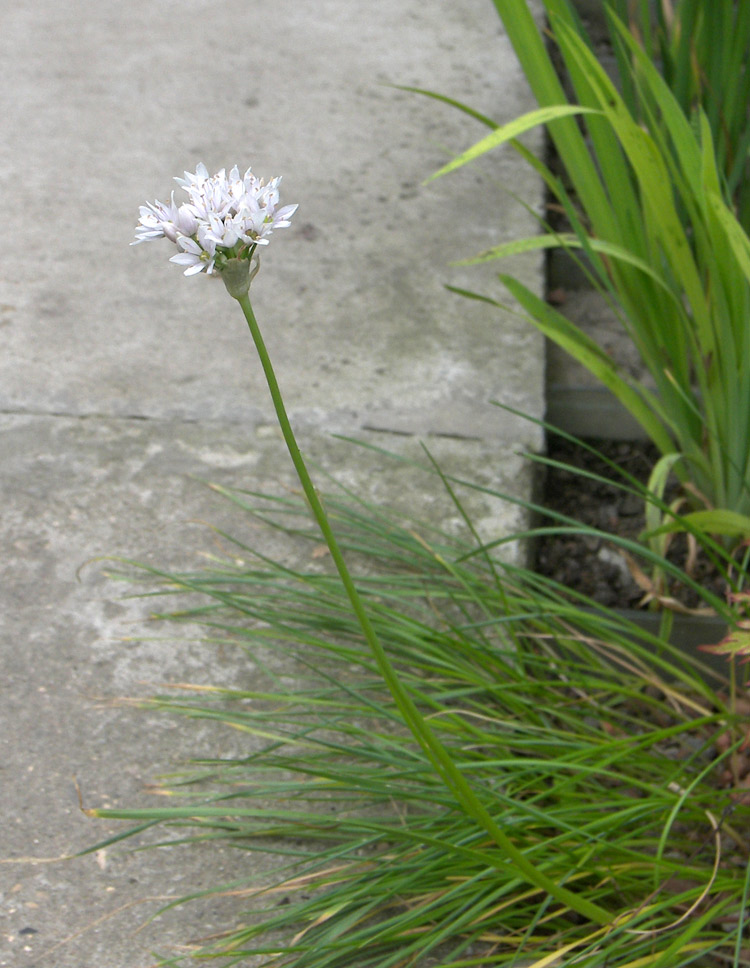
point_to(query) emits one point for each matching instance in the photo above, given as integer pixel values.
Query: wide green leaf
(566, 240)
(510, 131)
(715, 521)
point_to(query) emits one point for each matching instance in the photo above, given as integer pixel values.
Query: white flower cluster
(227, 217)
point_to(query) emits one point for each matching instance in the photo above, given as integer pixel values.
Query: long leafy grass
(702, 52)
(591, 742)
(651, 208)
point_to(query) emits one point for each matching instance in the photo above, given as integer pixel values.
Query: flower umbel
(226, 218)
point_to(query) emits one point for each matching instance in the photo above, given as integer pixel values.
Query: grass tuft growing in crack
(599, 758)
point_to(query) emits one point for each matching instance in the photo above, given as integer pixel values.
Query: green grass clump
(591, 743)
(653, 198)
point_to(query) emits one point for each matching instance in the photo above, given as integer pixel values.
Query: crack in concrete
(146, 418)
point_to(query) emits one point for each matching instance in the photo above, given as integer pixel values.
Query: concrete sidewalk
(123, 383)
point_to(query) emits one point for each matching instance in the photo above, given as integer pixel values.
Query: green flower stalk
(218, 231)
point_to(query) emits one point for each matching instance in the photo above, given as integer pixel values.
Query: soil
(592, 565)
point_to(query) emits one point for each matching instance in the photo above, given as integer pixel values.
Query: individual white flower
(226, 218)
(201, 175)
(196, 255)
(165, 221)
(226, 232)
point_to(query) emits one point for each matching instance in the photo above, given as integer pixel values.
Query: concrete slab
(73, 489)
(120, 379)
(110, 102)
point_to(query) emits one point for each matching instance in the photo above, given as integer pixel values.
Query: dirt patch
(591, 564)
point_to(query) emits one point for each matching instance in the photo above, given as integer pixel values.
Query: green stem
(433, 748)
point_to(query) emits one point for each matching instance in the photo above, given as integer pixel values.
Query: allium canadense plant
(219, 230)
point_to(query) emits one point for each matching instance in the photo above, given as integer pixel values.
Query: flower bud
(187, 223)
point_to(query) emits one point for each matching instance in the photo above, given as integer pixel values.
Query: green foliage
(702, 51)
(651, 207)
(589, 741)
